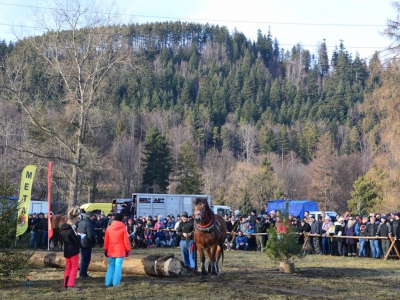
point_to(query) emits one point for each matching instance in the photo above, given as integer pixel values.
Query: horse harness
(209, 226)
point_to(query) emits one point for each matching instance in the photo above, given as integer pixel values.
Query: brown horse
(57, 220)
(209, 235)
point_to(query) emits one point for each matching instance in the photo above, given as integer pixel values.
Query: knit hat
(118, 217)
(185, 214)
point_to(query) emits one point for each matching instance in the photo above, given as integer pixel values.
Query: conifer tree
(245, 205)
(156, 163)
(14, 256)
(188, 172)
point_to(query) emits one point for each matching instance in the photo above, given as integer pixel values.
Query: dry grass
(245, 275)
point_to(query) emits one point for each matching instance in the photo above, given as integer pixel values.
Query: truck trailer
(171, 204)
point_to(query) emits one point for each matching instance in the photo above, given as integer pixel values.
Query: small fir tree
(284, 246)
(14, 255)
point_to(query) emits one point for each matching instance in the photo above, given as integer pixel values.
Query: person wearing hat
(148, 235)
(131, 229)
(116, 248)
(86, 227)
(350, 230)
(372, 229)
(303, 228)
(98, 228)
(337, 243)
(361, 231)
(253, 217)
(242, 241)
(39, 230)
(260, 227)
(384, 229)
(188, 248)
(71, 240)
(316, 228)
(171, 222)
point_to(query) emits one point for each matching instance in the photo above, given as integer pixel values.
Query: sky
(358, 23)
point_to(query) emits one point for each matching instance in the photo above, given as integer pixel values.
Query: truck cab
(221, 210)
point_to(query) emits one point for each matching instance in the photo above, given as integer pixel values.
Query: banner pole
(49, 229)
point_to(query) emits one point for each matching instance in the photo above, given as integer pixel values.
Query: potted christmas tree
(283, 244)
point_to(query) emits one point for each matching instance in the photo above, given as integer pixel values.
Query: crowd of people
(342, 235)
(363, 236)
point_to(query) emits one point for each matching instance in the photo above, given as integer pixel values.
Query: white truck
(38, 206)
(171, 204)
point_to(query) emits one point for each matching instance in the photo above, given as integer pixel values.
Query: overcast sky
(357, 22)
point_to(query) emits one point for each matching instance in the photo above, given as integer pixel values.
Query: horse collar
(207, 227)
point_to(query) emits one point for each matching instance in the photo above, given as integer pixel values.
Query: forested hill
(224, 89)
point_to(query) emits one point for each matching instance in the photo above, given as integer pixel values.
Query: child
(148, 236)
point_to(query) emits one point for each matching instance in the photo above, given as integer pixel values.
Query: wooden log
(155, 265)
(285, 267)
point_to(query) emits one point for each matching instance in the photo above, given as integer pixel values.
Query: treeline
(221, 92)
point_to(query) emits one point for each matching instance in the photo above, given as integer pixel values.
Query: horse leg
(211, 254)
(202, 259)
(217, 257)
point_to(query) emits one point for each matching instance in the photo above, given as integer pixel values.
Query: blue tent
(296, 207)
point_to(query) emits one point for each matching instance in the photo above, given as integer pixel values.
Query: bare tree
(217, 165)
(248, 136)
(127, 160)
(82, 44)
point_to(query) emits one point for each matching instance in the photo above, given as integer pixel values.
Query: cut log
(155, 265)
(285, 267)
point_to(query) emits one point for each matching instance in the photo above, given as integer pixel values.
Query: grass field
(245, 275)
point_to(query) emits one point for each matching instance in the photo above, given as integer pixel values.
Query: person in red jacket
(116, 247)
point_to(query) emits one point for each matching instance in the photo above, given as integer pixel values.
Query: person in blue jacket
(241, 241)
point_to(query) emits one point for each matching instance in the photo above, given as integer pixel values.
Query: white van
(332, 214)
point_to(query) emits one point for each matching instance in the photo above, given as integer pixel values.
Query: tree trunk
(155, 265)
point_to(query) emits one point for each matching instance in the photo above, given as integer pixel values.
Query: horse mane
(198, 200)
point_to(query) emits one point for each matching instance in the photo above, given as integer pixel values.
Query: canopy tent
(296, 207)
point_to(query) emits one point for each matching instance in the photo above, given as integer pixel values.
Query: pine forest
(180, 107)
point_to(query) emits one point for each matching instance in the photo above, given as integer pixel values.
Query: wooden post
(392, 245)
(155, 265)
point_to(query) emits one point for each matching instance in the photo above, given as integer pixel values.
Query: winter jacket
(350, 230)
(305, 228)
(316, 227)
(148, 233)
(384, 229)
(116, 241)
(71, 240)
(249, 229)
(86, 226)
(372, 229)
(325, 227)
(339, 227)
(260, 227)
(160, 235)
(361, 229)
(241, 239)
(396, 228)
